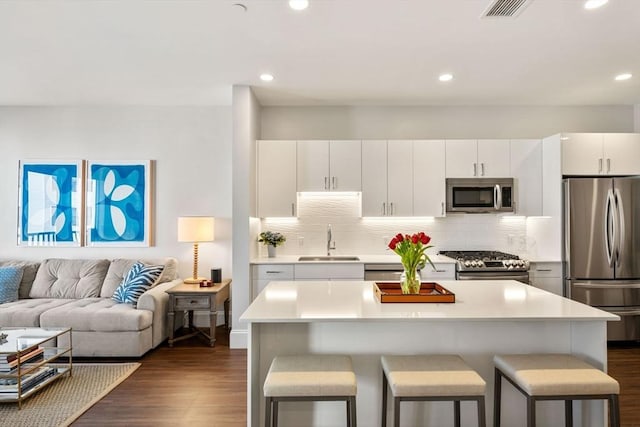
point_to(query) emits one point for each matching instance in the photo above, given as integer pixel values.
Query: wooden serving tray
(429, 292)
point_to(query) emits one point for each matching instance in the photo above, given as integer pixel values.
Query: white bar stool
(310, 378)
(554, 377)
(431, 378)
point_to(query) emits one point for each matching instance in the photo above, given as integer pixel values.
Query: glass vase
(410, 281)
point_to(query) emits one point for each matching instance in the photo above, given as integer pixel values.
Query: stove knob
(467, 263)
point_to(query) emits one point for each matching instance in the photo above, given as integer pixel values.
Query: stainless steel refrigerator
(602, 248)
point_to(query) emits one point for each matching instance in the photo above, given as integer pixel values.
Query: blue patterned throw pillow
(10, 278)
(138, 280)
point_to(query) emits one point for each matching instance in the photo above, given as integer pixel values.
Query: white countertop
(363, 259)
(482, 300)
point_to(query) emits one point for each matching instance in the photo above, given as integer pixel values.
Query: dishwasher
(383, 272)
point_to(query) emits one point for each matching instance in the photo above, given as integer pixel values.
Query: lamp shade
(195, 229)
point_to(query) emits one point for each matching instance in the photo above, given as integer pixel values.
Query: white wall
(440, 122)
(246, 130)
(192, 150)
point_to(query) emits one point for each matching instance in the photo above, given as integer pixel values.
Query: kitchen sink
(328, 258)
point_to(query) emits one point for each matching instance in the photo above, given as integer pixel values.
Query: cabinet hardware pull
(599, 165)
(442, 205)
(543, 269)
(391, 208)
(475, 169)
(326, 182)
(293, 209)
(482, 169)
(274, 272)
(384, 209)
(608, 165)
(440, 271)
(333, 181)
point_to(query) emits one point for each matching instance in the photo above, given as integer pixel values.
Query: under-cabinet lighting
(320, 315)
(594, 4)
(623, 76)
(398, 218)
(280, 219)
(298, 4)
(328, 194)
(266, 77)
(446, 77)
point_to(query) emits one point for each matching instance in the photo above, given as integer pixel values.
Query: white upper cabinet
(387, 178)
(374, 178)
(600, 153)
(276, 178)
(429, 190)
(399, 178)
(329, 166)
(526, 170)
(471, 158)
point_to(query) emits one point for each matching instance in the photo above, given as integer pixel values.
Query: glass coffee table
(26, 358)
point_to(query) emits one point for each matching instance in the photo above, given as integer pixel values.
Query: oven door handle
(523, 277)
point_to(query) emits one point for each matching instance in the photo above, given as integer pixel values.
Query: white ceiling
(337, 52)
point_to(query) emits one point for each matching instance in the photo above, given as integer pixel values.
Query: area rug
(64, 400)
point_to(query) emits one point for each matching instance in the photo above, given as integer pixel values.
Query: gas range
(488, 265)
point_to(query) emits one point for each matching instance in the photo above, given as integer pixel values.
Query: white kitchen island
(488, 317)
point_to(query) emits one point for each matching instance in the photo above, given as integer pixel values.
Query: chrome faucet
(329, 245)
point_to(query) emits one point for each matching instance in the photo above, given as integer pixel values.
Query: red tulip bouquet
(411, 249)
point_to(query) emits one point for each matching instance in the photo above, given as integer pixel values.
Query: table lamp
(195, 229)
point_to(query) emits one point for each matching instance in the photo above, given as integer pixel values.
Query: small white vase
(271, 250)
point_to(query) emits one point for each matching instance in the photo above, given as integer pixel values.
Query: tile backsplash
(352, 234)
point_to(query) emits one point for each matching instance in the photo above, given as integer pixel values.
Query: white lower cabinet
(262, 274)
(547, 276)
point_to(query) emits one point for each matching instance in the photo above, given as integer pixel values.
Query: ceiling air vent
(505, 8)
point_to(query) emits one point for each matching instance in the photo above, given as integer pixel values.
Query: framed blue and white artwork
(50, 202)
(119, 203)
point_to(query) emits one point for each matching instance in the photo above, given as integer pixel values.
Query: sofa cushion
(69, 278)
(139, 279)
(119, 268)
(97, 314)
(10, 278)
(27, 312)
(29, 269)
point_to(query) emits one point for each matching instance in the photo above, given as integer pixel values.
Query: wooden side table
(188, 297)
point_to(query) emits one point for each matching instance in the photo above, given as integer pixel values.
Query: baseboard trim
(238, 338)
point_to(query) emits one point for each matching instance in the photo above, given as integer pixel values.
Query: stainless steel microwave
(480, 195)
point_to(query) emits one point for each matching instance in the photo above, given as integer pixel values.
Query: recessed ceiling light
(594, 4)
(266, 77)
(623, 76)
(298, 4)
(446, 77)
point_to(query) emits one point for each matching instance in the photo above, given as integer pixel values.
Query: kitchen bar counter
(487, 318)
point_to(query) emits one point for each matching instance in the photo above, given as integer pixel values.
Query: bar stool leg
(614, 411)
(267, 413)
(456, 413)
(497, 395)
(396, 412)
(482, 418)
(531, 412)
(384, 399)
(568, 413)
(354, 412)
(275, 413)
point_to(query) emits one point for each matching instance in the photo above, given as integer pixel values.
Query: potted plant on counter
(271, 240)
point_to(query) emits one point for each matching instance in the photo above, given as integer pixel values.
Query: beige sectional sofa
(77, 293)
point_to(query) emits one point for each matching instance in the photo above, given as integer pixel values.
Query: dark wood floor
(195, 385)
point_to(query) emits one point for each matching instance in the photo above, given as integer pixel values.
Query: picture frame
(119, 203)
(50, 200)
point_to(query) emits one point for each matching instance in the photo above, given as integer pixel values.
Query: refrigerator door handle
(621, 226)
(609, 229)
